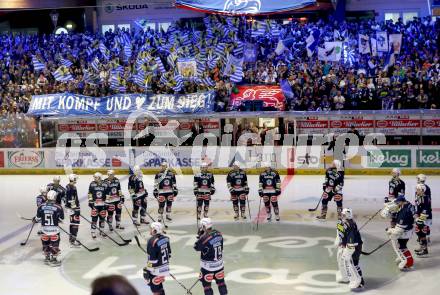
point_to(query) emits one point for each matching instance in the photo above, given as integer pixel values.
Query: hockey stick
(97, 227)
(23, 218)
(249, 208)
(258, 217)
(118, 234)
(369, 219)
(29, 234)
(128, 212)
(317, 206)
(378, 247)
(188, 291)
(70, 235)
(193, 285)
(154, 220)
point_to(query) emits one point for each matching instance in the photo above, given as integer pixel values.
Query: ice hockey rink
(295, 256)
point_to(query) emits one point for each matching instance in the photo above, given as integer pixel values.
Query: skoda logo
(109, 8)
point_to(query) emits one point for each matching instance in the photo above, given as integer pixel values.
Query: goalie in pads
(349, 242)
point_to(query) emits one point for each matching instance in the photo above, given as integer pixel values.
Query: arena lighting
(60, 31)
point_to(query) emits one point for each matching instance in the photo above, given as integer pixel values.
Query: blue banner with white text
(68, 104)
(244, 6)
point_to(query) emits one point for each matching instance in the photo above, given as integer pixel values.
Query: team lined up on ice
(106, 200)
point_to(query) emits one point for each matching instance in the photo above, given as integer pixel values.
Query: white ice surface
(22, 270)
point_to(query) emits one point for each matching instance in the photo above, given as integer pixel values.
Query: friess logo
(25, 159)
(242, 6)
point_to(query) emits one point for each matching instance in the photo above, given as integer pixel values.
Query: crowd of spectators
(139, 61)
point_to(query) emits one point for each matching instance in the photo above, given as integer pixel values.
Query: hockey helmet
(206, 223)
(395, 172)
(137, 170)
(204, 166)
(110, 172)
(51, 195)
(337, 164)
(43, 190)
(56, 179)
(236, 165)
(97, 176)
(347, 213)
(421, 178)
(156, 228)
(73, 177)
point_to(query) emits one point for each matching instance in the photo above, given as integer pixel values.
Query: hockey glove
(175, 192)
(277, 192)
(146, 274)
(155, 193)
(91, 205)
(260, 192)
(212, 190)
(246, 190)
(122, 199)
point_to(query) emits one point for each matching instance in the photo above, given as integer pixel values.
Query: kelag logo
(390, 159)
(428, 158)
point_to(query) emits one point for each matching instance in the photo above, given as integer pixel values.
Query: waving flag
(91, 78)
(117, 82)
(312, 42)
(179, 83)
(62, 74)
(364, 44)
(104, 51)
(287, 89)
(66, 62)
(38, 64)
(382, 41)
(234, 69)
(390, 59)
(331, 52)
(284, 45)
(127, 51)
(159, 64)
(95, 64)
(396, 42)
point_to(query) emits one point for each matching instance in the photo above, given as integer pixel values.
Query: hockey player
(396, 186)
(402, 232)
(349, 242)
(49, 215)
(139, 196)
(165, 190)
(114, 200)
(238, 187)
(423, 217)
(97, 196)
(159, 254)
(421, 178)
(40, 199)
(332, 189)
(73, 209)
(210, 245)
(203, 189)
(270, 190)
(56, 186)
